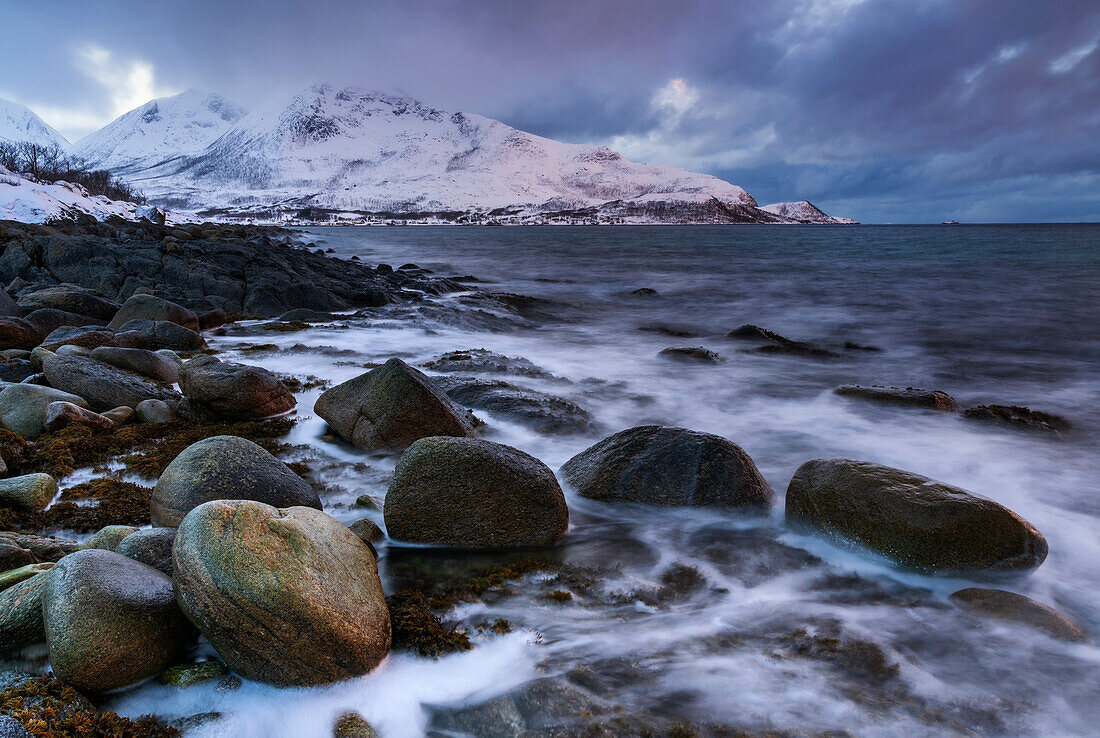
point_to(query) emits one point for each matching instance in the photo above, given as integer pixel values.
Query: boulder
(12, 557)
(391, 407)
(1015, 416)
(226, 468)
(122, 415)
(932, 399)
(913, 520)
(473, 494)
(154, 411)
(158, 334)
(104, 386)
(28, 492)
(996, 603)
(110, 621)
(697, 354)
(225, 389)
(86, 336)
(71, 299)
(60, 414)
(770, 342)
(109, 537)
(48, 320)
(544, 412)
(368, 530)
(672, 467)
(16, 369)
(150, 546)
(44, 548)
(140, 361)
(16, 333)
(23, 407)
(70, 350)
(149, 307)
(8, 306)
(288, 597)
(21, 614)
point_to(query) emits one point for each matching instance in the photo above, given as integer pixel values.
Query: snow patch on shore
(29, 201)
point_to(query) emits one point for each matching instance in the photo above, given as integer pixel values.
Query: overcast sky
(883, 110)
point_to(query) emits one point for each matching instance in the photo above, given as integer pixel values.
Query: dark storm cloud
(878, 109)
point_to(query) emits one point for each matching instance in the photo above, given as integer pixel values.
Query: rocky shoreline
(105, 368)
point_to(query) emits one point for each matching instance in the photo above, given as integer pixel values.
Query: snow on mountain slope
(28, 201)
(164, 128)
(803, 211)
(358, 151)
(19, 123)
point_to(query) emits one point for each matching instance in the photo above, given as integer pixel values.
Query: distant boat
(950, 222)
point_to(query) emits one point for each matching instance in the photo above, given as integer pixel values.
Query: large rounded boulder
(473, 494)
(150, 307)
(672, 467)
(141, 361)
(226, 468)
(110, 621)
(916, 521)
(391, 407)
(225, 389)
(105, 387)
(288, 597)
(23, 407)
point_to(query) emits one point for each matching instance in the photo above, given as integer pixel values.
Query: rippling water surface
(782, 631)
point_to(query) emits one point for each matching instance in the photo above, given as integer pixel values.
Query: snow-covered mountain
(18, 123)
(165, 128)
(804, 211)
(29, 201)
(358, 154)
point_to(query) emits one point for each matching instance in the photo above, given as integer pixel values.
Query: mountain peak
(19, 123)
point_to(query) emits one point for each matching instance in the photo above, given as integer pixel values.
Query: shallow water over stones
(653, 618)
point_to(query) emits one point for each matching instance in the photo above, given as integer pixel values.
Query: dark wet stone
(912, 396)
(225, 389)
(697, 354)
(17, 333)
(158, 334)
(1015, 416)
(483, 361)
(150, 307)
(545, 707)
(665, 330)
(773, 343)
(16, 370)
(50, 319)
(71, 299)
(913, 520)
(672, 467)
(21, 614)
(645, 292)
(87, 336)
(150, 546)
(996, 603)
(104, 387)
(544, 412)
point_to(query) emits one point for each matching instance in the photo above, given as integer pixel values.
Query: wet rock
(368, 530)
(15, 576)
(154, 411)
(225, 389)
(226, 468)
(13, 557)
(545, 707)
(48, 320)
(353, 725)
(16, 333)
(71, 299)
(149, 307)
(322, 619)
(140, 361)
(670, 331)
(122, 415)
(932, 399)
(544, 412)
(188, 675)
(1015, 416)
(110, 537)
(110, 622)
(672, 467)
(61, 414)
(44, 548)
(473, 494)
(158, 334)
(913, 520)
(21, 614)
(697, 354)
(483, 361)
(773, 343)
(996, 603)
(150, 546)
(87, 336)
(28, 492)
(391, 407)
(15, 370)
(104, 387)
(645, 292)
(23, 407)
(8, 306)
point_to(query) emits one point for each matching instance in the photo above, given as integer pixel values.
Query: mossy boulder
(21, 614)
(672, 467)
(473, 494)
(109, 537)
(110, 621)
(226, 468)
(23, 407)
(997, 603)
(913, 520)
(140, 361)
(104, 387)
(28, 492)
(225, 389)
(150, 546)
(391, 407)
(288, 597)
(150, 307)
